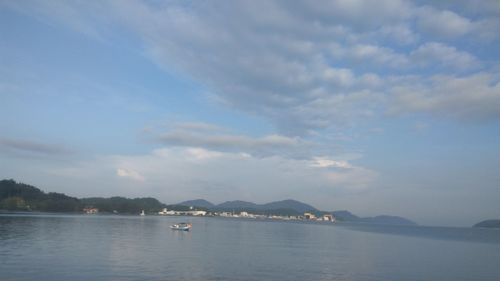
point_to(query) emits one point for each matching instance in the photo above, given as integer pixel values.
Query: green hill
(22, 197)
(16, 196)
(200, 203)
(124, 205)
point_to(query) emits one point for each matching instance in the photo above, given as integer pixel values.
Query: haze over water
(102, 248)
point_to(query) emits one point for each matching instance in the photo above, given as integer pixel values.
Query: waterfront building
(163, 212)
(197, 213)
(329, 217)
(309, 216)
(90, 210)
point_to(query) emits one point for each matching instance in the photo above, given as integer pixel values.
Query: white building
(328, 217)
(309, 216)
(197, 213)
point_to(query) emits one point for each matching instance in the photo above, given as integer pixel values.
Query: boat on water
(181, 226)
(142, 213)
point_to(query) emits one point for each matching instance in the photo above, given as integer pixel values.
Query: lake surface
(78, 247)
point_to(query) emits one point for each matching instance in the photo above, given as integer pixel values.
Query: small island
(488, 224)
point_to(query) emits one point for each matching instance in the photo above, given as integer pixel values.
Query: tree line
(15, 196)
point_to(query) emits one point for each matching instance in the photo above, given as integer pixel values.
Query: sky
(377, 107)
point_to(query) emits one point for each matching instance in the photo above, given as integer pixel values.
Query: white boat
(181, 226)
(142, 213)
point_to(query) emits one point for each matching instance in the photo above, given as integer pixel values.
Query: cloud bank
(307, 66)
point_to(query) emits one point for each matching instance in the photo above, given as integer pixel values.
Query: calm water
(46, 247)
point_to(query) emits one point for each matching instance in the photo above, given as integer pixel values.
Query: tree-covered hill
(22, 197)
(200, 203)
(124, 205)
(16, 196)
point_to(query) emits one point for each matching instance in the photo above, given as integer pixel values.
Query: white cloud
(355, 178)
(443, 23)
(31, 147)
(325, 162)
(200, 126)
(265, 146)
(368, 53)
(400, 34)
(176, 174)
(127, 173)
(282, 60)
(437, 54)
(202, 154)
(357, 14)
(473, 97)
(477, 20)
(487, 29)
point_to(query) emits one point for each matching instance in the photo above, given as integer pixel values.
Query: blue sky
(378, 107)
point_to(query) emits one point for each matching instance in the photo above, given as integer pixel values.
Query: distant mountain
(236, 205)
(489, 224)
(350, 217)
(288, 204)
(387, 220)
(292, 207)
(201, 203)
(344, 215)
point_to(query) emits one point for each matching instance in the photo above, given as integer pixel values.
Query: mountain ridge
(22, 197)
(202, 203)
(296, 207)
(237, 205)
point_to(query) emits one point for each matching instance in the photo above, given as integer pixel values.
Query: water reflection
(145, 248)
